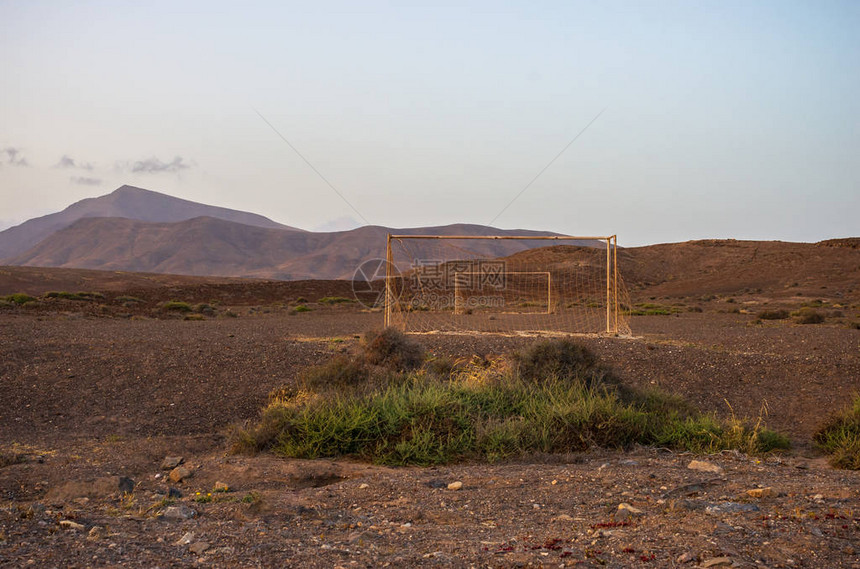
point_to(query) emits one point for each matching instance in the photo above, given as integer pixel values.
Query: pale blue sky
(722, 119)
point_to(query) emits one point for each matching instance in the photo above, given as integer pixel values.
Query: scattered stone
(126, 485)
(180, 512)
(760, 492)
(69, 524)
(625, 511)
(455, 485)
(180, 473)
(704, 466)
(185, 539)
(171, 462)
(363, 486)
(221, 487)
(717, 562)
(96, 533)
(685, 557)
(198, 548)
(731, 508)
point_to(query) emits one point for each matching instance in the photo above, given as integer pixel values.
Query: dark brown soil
(86, 397)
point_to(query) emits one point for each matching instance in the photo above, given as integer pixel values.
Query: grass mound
(840, 437)
(551, 398)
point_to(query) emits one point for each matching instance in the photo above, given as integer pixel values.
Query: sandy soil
(86, 400)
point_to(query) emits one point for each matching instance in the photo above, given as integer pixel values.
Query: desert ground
(97, 394)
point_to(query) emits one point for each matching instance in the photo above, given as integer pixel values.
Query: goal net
(515, 284)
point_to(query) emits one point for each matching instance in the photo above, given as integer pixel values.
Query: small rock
(185, 539)
(455, 485)
(563, 518)
(180, 473)
(198, 548)
(626, 511)
(731, 508)
(717, 562)
(126, 485)
(180, 512)
(171, 462)
(685, 557)
(704, 466)
(760, 492)
(69, 524)
(221, 487)
(364, 486)
(96, 533)
(818, 498)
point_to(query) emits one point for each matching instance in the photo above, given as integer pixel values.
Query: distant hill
(129, 202)
(209, 246)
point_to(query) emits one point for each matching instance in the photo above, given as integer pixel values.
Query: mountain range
(133, 229)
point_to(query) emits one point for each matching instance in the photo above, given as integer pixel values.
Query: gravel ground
(86, 399)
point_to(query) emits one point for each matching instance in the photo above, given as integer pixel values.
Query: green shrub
(338, 373)
(334, 300)
(128, 300)
(299, 309)
(204, 308)
(20, 298)
(484, 413)
(809, 316)
(392, 349)
(176, 306)
(839, 436)
(773, 314)
(562, 359)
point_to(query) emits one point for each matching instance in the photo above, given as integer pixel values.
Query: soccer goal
(516, 284)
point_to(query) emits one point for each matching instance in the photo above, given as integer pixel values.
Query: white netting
(450, 284)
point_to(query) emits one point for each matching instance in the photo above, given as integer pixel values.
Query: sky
(658, 121)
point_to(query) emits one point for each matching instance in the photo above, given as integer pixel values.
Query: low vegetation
(335, 300)
(773, 315)
(19, 298)
(176, 306)
(808, 316)
(391, 405)
(840, 437)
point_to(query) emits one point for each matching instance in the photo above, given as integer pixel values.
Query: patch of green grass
(125, 299)
(840, 437)
(554, 398)
(299, 309)
(334, 300)
(808, 316)
(652, 309)
(176, 306)
(773, 314)
(19, 298)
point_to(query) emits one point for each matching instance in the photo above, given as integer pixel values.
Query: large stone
(455, 485)
(180, 512)
(171, 462)
(180, 473)
(731, 508)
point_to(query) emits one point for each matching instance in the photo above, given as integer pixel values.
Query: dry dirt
(90, 398)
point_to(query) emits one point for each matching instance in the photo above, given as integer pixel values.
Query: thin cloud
(155, 166)
(84, 181)
(68, 162)
(12, 155)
